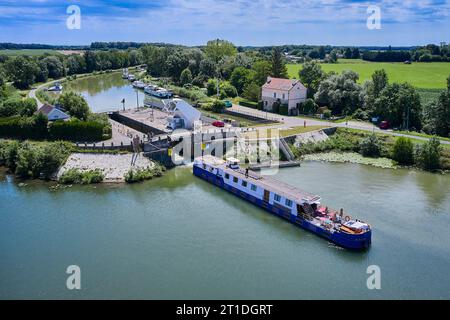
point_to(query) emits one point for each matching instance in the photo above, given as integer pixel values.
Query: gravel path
(113, 166)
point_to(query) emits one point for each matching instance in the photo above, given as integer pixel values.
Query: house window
(227, 176)
(277, 197)
(254, 188)
(275, 95)
(235, 180)
(288, 203)
(284, 96)
(244, 184)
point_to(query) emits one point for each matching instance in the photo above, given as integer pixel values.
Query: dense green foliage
(370, 146)
(139, 175)
(428, 155)
(77, 130)
(34, 127)
(16, 106)
(403, 151)
(75, 105)
(76, 176)
(33, 160)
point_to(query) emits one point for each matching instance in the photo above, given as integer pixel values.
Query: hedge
(249, 104)
(23, 127)
(284, 109)
(76, 130)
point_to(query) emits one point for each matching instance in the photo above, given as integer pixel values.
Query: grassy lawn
(431, 75)
(423, 135)
(28, 52)
(299, 130)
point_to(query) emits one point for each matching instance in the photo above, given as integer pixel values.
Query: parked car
(228, 104)
(385, 125)
(218, 124)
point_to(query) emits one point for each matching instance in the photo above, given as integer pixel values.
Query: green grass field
(431, 75)
(28, 52)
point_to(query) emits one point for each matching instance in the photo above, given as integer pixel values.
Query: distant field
(431, 75)
(28, 52)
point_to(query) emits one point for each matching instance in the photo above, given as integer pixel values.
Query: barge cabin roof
(285, 190)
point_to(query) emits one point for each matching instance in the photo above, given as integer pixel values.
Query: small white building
(53, 113)
(184, 115)
(285, 91)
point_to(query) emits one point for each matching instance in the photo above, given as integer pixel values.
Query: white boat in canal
(131, 77)
(139, 84)
(56, 88)
(158, 92)
(125, 73)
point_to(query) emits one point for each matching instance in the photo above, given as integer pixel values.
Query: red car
(385, 125)
(218, 124)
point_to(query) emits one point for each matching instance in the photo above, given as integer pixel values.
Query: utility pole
(123, 104)
(137, 100)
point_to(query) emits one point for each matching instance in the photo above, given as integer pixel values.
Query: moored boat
(139, 85)
(297, 206)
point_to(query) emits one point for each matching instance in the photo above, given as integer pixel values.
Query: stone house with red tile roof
(290, 92)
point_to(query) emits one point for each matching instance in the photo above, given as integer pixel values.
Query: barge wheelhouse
(297, 206)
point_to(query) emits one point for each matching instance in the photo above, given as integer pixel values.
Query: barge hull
(353, 242)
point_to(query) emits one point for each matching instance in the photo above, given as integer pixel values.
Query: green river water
(178, 237)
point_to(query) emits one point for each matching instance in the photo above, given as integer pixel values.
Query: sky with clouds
(244, 22)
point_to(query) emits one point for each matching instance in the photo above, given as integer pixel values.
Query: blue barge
(290, 203)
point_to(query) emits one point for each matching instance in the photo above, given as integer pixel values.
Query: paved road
(289, 122)
(32, 93)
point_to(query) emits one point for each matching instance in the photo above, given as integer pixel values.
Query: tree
(252, 92)
(370, 146)
(340, 92)
(308, 107)
(400, 105)
(311, 75)
(436, 116)
(356, 54)
(279, 69)
(75, 105)
(54, 66)
(261, 70)
(208, 68)
(348, 53)
(176, 63)
(240, 77)
(322, 52)
(23, 71)
(217, 49)
(428, 155)
(75, 64)
(380, 81)
(186, 77)
(2, 76)
(403, 151)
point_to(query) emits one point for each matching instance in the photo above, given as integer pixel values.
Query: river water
(105, 92)
(178, 237)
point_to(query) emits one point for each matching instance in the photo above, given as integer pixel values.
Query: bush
(76, 176)
(218, 106)
(139, 175)
(249, 104)
(308, 107)
(361, 115)
(211, 87)
(252, 91)
(33, 160)
(186, 77)
(227, 90)
(77, 130)
(428, 155)
(23, 107)
(370, 146)
(403, 151)
(75, 105)
(24, 127)
(284, 109)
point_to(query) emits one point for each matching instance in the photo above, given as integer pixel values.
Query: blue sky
(244, 22)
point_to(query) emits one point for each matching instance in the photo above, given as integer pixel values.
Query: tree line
(24, 71)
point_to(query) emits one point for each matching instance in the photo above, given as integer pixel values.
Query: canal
(105, 92)
(179, 238)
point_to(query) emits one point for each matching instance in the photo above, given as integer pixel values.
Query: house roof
(281, 84)
(46, 109)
